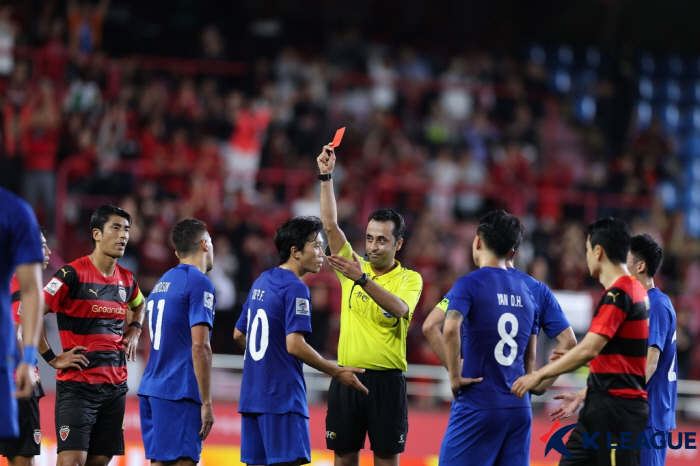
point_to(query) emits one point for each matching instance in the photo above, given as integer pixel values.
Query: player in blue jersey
(271, 329)
(20, 249)
(175, 395)
(550, 318)
(496, 312)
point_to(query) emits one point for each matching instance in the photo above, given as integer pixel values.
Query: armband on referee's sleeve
(136, 302)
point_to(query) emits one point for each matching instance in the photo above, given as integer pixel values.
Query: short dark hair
(501, 232)
(186, 236)
(613, 236)
(390, 215)
(296, 232)
(644, 248)
(42, 230)
(101, 215)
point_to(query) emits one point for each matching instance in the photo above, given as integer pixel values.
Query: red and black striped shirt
(90, 310)
(622, 316)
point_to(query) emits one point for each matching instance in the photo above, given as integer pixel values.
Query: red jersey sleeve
(15, 295)
(611, 312)
(59, 288)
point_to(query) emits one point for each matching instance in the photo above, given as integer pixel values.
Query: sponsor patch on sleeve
(53, 286)
(208, 300)
(303, 308)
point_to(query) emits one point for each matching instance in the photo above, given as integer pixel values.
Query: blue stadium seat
(670, 118)
(690, 121)
(560, 81)
(692, 221)
(536, 53)
(592, 57)
(584, 109)
(643, 114)
(565, 56)
(670, 91)
(672, 65)
(690, 147)
(692, 92)
(645, 88)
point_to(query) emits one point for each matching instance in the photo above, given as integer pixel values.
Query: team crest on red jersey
(122, 293)
(64, 431)
(37, 436)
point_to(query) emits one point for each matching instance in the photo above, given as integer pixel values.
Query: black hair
(644, 248)
(613, 236)
(501, 232)
(186, 236)
(101, 216)
(390, 215)
(42, 230)
(296, 232)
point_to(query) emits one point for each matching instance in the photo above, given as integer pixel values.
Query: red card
(338, 137)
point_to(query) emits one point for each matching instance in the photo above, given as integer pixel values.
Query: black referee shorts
(383, 414)
(606, 413)
(90, 418)
(29, 441)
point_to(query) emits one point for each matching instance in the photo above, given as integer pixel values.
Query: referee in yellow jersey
(379, 297)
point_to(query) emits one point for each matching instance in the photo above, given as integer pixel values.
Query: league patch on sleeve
(303, 308)
(53, 286)
(208, 300)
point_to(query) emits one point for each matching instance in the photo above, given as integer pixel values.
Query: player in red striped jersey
(21, 451)
(616, 346)
(93, 297)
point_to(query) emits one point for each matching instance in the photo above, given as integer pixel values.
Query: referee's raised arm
(329, 212)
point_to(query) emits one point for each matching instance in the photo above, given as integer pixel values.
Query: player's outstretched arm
(565, 341)
(239, 338)
(297, 346)
(588, 349)
(329, 210)
(571, 403)
(432, 329)
(29, 277)
(201, 359)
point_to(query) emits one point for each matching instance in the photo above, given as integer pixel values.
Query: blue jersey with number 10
(499, 317)
(182, 298)
(273, 382)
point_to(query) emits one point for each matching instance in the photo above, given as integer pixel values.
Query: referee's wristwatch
(362, 280)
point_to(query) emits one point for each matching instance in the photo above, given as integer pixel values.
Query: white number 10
(155, 336)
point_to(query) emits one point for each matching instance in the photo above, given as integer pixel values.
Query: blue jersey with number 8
(273, 382)
(499, 317)
(182, 298)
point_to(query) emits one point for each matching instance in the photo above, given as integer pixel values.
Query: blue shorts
(487, 437)
(9, 417)
(170, 429)
(275, 438)
(652, 456)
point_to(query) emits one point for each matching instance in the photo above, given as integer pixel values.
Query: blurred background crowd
(179, 109)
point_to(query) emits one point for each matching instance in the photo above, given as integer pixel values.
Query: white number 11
(155, 337)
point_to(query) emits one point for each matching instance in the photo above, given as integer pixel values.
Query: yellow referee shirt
(370, 337)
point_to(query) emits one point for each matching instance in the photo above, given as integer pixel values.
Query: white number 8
(506, 339)
(259, 321)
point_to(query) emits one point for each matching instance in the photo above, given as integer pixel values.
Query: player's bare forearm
(136, 314)
(432, 329)
(653, 354)
(43, 345)
(29, 277)
(329, 210)
(201, 360)
(386, 299)
(240, 338)
(298, 347)
(579, 355)
(566, 339)
(452, 336)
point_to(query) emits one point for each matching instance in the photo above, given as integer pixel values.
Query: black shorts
(90, 418)
(606, 413)
(383, 414)
(29, 441)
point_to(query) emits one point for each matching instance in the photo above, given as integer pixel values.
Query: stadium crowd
(441, 137)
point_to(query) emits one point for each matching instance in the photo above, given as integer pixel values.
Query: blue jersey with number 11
(499, 317)
(273, 382)
(182, 298)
